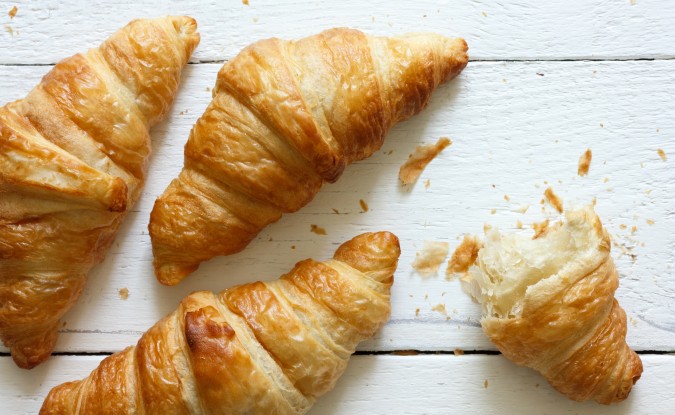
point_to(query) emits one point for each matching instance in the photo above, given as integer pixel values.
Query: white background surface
(547, 80)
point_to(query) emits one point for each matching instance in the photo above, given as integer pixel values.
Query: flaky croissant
(72, 161)
(285, 117)
(548, 303)
(260, 348)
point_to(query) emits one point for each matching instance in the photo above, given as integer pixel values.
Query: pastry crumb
(292, 246)
(9, 30)
(412, 168)
(553, 199)
(123, 293)
(417, 312)
(458, 352)
(507, 198)
(12, 12)
(486, 227)
(245, 2)
(337, 212)
(633, 229)
(540, 228)
(484, 14)
(464, 256)
(430, 258)
(519, 225)
(522, 208)
(650, 222)
(485, 384)
(602, 125)
(493, 211)
(440, 308)
(427, 184)
(317, 230)
(623, 226)
(662, 154)
(364, 205)
(585, 163)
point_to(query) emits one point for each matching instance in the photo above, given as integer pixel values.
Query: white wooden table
(546, 81)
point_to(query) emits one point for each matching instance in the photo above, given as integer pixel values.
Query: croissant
(285, 117)
(548, 303)
(73, 156)
(259, 348)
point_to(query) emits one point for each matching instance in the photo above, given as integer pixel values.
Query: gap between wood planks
(494, 60)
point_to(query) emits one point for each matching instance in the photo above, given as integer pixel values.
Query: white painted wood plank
(389, 384)
(47, 31)
(513, 132)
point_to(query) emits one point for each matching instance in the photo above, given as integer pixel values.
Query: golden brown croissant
(285, 117)
(548, 303)
(72, 161)
(260, 348)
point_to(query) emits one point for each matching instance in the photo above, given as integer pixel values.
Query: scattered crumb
(208, 89)
(417, 312)
(430, 258)
(633, 2)
(364, 205)
(595, 201)
(633, 321)
(292, 246)
(458, 352)
(650, 222)
(485, 384)
(522, 209)
(486, 227)
(585, 163)
(504, 81)
(12, 12)
(317, 230)
(536, 385)
(507, 198)
(372, 19)
(633, 229)
(183, 112)
(662, 154)
(64, 324)
(9, 30)
(648, 191)
(484, 14)
(412, 168)
(605, 180)
(493, 211)
(124, 293)
(540, 74)
(623, 226)
(255, 19)
(245, 2)
(336, 211)
(464, 256)
(602, 125)
(553, 199)
(439, 308)
(426, 297)
(539, 228)
(427, 184)
(519, 225)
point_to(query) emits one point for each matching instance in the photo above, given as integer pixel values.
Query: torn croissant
(259, 348)
(548, 303)
(73, 154)
(285, 117)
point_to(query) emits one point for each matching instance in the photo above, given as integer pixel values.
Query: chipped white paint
(517, 127)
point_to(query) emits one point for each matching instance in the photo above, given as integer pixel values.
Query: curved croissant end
(548, 303)
(259, 348)
(72, 162)
(285, 117)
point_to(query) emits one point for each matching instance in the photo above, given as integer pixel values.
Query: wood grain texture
(387, 384)
(516, 127)
(521, 29)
